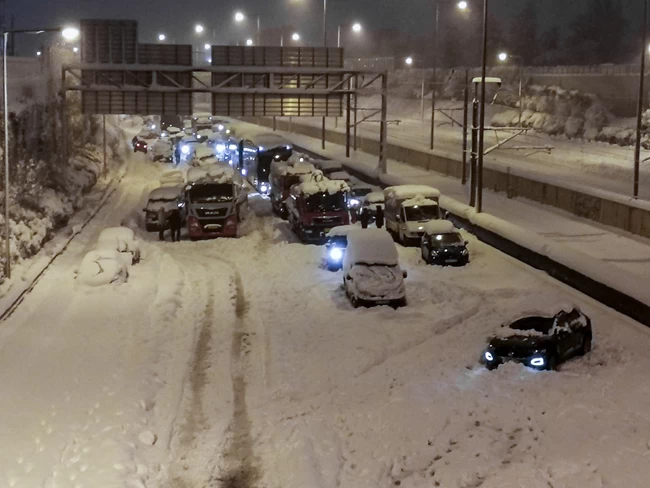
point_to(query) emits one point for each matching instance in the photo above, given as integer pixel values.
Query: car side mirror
(405, 274)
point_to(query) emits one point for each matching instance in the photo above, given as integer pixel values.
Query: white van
(408, 208)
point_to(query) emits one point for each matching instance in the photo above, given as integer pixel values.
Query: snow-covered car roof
(434, 227)
(375, 197)
(216, 173)
(203, 151)
(284, 169)
(321, 186)
(328, 165)
(406, 192)
(340, 175)
(342, 230)
(371, 247)
(419, 201)
(205, 133)
(165, 193)
(173, 130)
(267, 140)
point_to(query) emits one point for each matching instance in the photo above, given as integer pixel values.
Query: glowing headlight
(277, 156)
(185, 150)
(288, 148)
(220, 127)
(438, 238)
(233, 147)
(261, 148)
(420, 228)
(264, 188)
(302, 160)
(537, 362)
(489, 356)
(220, 148)
(227, 131)
(354, 202)
(464, 252)
(244, 171)
(336, 254)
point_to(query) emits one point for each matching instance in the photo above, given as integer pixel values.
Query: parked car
(167, 197)
(371, 201)
(408, 208)
(337, 243)
(358, 194)
(139, 145)
(541, 342)
(162, 150)
(328, 166)
(122, 240)
(371, 270)
(443, 244)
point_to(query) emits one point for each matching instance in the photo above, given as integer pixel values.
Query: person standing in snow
(175, 224)
(364, 218)
(162, 222)
(379, 217)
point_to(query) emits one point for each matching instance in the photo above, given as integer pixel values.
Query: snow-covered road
(241, 363)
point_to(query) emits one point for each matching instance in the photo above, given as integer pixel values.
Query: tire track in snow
(242, 471)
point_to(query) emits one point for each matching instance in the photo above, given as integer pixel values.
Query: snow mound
(204, 133)
(375, 197)
(216, 173)
(122, 240)
(343, 230)
(370, 246)
(323, 186)
(102, 267)
(439, 227)
(406, 192)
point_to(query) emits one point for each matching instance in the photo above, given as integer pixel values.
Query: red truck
(316, 205)
(283, 176)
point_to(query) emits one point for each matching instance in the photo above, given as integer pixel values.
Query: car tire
(424, 257)
(354, 301)
(553, 364)
(491, 366)
(586, 344)
(399, 303)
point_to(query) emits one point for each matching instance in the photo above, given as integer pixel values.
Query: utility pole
(435, 67)
(481, 135)
(639, 115)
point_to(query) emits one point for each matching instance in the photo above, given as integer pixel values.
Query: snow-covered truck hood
(378, 282)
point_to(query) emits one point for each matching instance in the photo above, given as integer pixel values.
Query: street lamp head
(295, 36)
(162, 37)
(207, 47)
(38, 53)
(356, 27)
(70, 33)
(503, 57)
(463, 5)
(75, 49)
(199, 29)
(409, 61)
(249, 42)
(239, 17)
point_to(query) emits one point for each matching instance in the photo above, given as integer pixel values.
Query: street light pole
(6, 151)
(338, 37)
(481, 135)
(259, 35)
(325, 23)
(435, 67)
(639, 115)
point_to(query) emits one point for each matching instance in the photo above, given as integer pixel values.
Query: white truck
(408, 208)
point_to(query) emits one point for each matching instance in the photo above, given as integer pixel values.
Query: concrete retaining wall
(628, 217)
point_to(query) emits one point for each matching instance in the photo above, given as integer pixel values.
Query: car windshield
(421, 213)
(447, 239)
(361, 192)
(325, 202)
(542, 325)
(211, 193)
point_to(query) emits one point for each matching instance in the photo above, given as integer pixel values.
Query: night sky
(177, 17)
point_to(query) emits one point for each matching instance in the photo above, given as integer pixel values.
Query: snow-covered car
(371, 270)
(371, 201)
(204, 155)
(357, 195)
(122, 240)
(443, 244)
(337, 243)
(102, 267)
(167, 198)
(162, 150)
(328, 166)
(187, 146)
(541, 342)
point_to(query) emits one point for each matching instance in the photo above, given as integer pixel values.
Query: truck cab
(283, 177)
(316, 206)
(215, 204)
(408, 208)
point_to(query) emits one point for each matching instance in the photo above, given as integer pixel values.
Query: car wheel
(399, 303)
(491, 366)
(586, 344)
(354, 301)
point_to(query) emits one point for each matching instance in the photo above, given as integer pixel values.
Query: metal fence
(374, 64)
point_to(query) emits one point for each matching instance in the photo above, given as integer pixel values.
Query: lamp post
(199, 29)
(409, 61)
(503, 57)
(481, 135)
(162, 37)
(463, 6)
(639, 115)
(241, 17)
(325, 23)
(69, 34)
(356, 27)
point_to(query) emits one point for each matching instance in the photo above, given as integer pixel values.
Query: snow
(296, 168)
(172, 178)
(267, 140)
(205, 133)
(370, 246)
(441, 226)
(328, 166)
(343, 230)
(406, 192)
(375, 197)
(102, 267)
(419, 201)
(340, 175)
(203, 151)
(122, 240)
(217, 173)
(320, 186)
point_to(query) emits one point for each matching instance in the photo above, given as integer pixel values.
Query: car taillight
(193, 223)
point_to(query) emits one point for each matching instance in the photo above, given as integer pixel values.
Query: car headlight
(538, 361)
(354, 202)
(185, 150)
(336, 254)
(244, 171)
(464, 252)
(489, 356)
(220, 127)
(264, 188)
(220, 148)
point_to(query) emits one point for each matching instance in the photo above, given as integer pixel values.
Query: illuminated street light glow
(162, 37)
(503, 57)
(463, 5)
(38, 53)
(239, 17)
(249, 42)
(199, 29)
(295, 36)
(75, 49)
(207, 47)
(70, 33)
(409, 61)
(356, 27)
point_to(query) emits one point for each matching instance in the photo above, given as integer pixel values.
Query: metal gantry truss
(237, 91)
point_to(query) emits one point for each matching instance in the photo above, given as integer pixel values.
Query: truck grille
(211, 212)
(328, 221)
